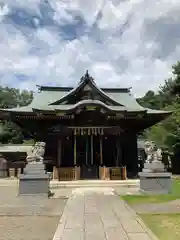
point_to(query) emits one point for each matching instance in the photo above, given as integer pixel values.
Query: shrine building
(90, 132)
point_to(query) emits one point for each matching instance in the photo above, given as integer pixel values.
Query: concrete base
(155, 183)
(34, 181)
(3, 173)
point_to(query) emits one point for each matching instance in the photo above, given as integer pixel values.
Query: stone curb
(62, 222)
(140, 221)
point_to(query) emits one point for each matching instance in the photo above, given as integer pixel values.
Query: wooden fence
(104, 173)
(118, 173)
(66, 174)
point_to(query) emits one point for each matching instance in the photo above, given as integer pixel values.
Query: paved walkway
(92, 214)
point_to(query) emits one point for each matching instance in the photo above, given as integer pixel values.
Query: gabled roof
(53, 99)
(89, 81)
(56, 95)
(48, 96)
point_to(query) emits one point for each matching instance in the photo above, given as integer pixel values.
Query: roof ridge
(85, 78)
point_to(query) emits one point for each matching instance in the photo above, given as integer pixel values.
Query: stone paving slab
(91, 215)
(138, 236)
(115, 233)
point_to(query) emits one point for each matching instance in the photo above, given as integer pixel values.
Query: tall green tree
(167, 133)
(10, 98)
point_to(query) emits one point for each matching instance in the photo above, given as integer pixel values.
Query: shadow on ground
(30, 218)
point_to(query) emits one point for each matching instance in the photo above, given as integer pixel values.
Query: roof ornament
(87, 74)
(85, 77)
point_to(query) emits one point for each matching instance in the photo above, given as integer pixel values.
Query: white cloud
(113, 16)
(32, 5)
(112, 43)
(4, 10)
(47, 36)
(61, 14)
(66, 10)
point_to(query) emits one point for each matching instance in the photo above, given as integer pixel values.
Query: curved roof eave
(25, 109)
(161, 114)
(82, 103)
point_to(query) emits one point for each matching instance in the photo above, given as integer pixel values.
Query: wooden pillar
(130, 154)
(118, 149)
(58, 163)
(101, 151)
(87, 149)
(59, 145)
(134, 155)
(91, 149)
(75, 152)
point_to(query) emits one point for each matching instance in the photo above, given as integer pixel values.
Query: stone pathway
(97, 213)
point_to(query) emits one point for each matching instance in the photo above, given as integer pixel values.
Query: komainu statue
(154, 158)
(37, 153)
(159, 154)
(153, 153)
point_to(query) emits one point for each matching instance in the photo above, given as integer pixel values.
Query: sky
(122, 43)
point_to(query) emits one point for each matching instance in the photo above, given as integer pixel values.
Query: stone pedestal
(3, 168)
(155, 182)
(155, 166)
(34, 181)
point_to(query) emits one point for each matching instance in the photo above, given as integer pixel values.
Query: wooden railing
(14, 172)
(104, 173)
(118, 173)
(55, 173)
(66, 174)
(77, 173)
(73, 173)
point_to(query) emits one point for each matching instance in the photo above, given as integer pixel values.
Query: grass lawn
(164, 226)
(138, 199)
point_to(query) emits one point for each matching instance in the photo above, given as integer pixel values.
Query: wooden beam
(92, 149)
(118, 151)
(87, 149)
(59, 145)
(101, 150)
(75, 152)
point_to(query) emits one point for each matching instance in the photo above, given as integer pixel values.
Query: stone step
(79, 183)
(94, 183)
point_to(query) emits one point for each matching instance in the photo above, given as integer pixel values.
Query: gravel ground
(158, 208)
(30, 218)
(34, 218)
(29, 228)
(127, 191)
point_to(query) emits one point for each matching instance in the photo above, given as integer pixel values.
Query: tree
(11, 133)
(10, 98)
(150, 100)
(167, 133)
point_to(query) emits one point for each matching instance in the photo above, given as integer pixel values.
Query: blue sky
(122, 43)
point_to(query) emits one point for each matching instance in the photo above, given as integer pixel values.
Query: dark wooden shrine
(90, 132)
